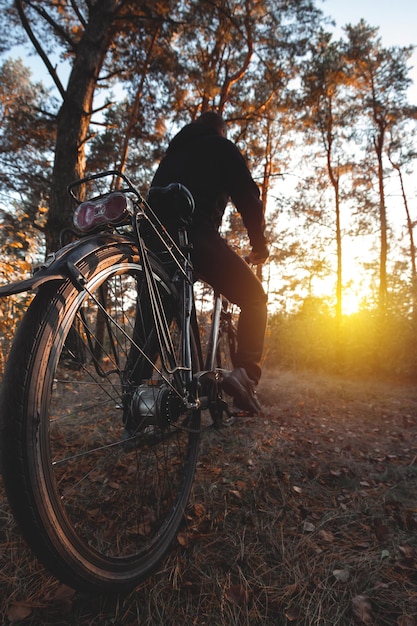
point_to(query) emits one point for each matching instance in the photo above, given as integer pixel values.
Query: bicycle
(106, 392)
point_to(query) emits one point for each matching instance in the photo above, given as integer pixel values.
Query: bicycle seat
(171, 202)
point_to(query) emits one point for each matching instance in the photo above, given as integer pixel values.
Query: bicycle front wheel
(99, 448)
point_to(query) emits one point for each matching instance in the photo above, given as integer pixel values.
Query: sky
(396, 20)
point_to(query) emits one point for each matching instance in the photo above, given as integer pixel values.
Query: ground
(306, 515)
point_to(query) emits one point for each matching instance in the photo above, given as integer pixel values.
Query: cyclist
(213, 169)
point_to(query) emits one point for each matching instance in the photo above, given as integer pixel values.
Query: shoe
(242, 389)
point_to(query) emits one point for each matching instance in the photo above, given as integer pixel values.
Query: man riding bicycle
(213, 169)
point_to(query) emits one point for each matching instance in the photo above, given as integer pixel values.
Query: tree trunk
(334, 179)
(410, 231)
(383, 288)
(74, 117)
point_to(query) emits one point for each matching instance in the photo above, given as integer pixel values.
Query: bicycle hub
(155, 404)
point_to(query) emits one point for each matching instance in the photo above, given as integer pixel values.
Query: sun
(352, 301)
(357, 283)
(352, 295)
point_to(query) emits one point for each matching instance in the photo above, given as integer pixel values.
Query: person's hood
(190, 133)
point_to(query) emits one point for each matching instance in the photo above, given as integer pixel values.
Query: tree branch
(56, 27)
(78, 13)
(38, 48)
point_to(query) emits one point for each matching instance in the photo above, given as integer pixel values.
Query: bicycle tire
(219, 347)
(225, 362)
(98, 507)
(227, 342)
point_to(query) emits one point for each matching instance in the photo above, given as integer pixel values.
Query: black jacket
(214, 170)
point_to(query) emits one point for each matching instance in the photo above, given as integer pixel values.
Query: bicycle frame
(214, 333)
(170, 363)
(185, 277)
(179, 254)
(100, 433)
(63, 264)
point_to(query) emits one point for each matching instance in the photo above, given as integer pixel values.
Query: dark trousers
(230, 275)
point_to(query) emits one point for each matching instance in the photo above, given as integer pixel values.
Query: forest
(306, 513)
(326, 126)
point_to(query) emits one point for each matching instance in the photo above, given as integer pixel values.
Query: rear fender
(62, 265)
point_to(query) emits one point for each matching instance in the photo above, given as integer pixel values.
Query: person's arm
(245, 195)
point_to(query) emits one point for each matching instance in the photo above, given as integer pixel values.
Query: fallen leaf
(342, 575)
(293, 614)
(63, 600)
(183, 539)
(237, 595)
(308, 527)
(335, 472)
(18, 611)
(382, 532)
(199, 510)
(407, 551)
(326, 536)
(362, 610)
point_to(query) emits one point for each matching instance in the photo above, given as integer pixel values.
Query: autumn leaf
(183, 539)
(18, 611)
(63, 600)
(362, 610)
(382, 532)
(237, 595)
(293, 614)
(326, 536)
(342, 575)
(199, 510)
(407, 551)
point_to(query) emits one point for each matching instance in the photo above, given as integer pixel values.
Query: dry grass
(305, 516)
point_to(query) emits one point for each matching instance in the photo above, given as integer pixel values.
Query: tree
(271, 41)
(208, 46)
(402, 155)
(87, 38)
(92, 36)
(27, 135)
(381, 80)
(323, 101)
(215, 49)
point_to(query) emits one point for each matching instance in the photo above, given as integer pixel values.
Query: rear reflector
(114, 209)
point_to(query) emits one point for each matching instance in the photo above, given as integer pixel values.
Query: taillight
(114, 209)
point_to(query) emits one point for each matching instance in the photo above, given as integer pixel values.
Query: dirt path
(306, 515)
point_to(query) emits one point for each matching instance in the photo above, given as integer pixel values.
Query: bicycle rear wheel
(227, 340)
(218, 334)
(98, 448)
(225, 362)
